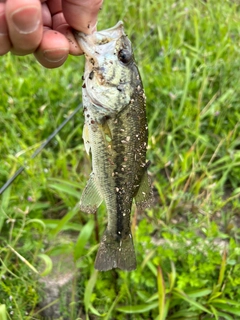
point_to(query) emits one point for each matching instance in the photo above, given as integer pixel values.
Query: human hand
(43, 27)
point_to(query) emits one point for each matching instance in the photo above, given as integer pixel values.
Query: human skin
(44, 27)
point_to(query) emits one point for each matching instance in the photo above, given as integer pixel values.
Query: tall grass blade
(89, 290)
(23, 259)
(161, 293)
(222, 268)
(83, 237)
(3, 312)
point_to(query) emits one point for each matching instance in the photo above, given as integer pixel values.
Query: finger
(82, 14)
(53, 49)
(46, 16)
(60, 24)
(24, 19)
(5, 44)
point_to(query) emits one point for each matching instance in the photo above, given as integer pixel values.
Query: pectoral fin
(144, 196)
(91, 196)
(86, 139)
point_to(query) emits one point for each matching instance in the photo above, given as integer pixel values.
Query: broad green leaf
(184, 314)
(62, 248)
(52, 224)
(152, 267)
(227, 301)
(94, 311)
(5, 197)
(214, 311)
(182, 295)
(2, 218)
(214, 296)
(172, 276)
(153, 297)
(225, 316)
(83, 237)
(198, 293)
(48, 264)
(66, 189)
(37, 221)
(147, 257)
(62, 223)
(4, 205)
(138, 309)
(227, 308)
(71, 184)
(39, 206)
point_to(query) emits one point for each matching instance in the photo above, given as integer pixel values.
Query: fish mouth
(103, 72)
(98, 43)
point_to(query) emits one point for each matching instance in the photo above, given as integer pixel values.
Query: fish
(116, 134)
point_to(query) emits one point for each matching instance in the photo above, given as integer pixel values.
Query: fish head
(111, 74)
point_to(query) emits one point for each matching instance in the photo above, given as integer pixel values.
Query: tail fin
(115, 253)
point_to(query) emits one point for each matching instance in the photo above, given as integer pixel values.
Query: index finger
(82, 14)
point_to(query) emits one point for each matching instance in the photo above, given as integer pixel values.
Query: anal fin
(91, 197)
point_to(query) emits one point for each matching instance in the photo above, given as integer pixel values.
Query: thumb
(82, 14)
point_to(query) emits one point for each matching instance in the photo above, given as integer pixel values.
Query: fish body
(116, 134)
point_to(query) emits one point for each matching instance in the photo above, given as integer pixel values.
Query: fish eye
(124, 55)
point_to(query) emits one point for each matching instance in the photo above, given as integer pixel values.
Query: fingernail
(26, 20)
(55, 56)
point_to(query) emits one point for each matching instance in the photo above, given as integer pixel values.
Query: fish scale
(116, 134)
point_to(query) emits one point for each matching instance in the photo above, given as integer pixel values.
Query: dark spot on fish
(107, 118)
(91, 75)
(119, 88)
(88, 115)
(84, 86)
(88, 26)
(83, 77)
(147, 164)
(92, 121)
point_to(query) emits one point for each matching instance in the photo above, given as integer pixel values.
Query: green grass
(188, 243)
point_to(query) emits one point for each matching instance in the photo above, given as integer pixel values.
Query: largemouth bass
(116, 134)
